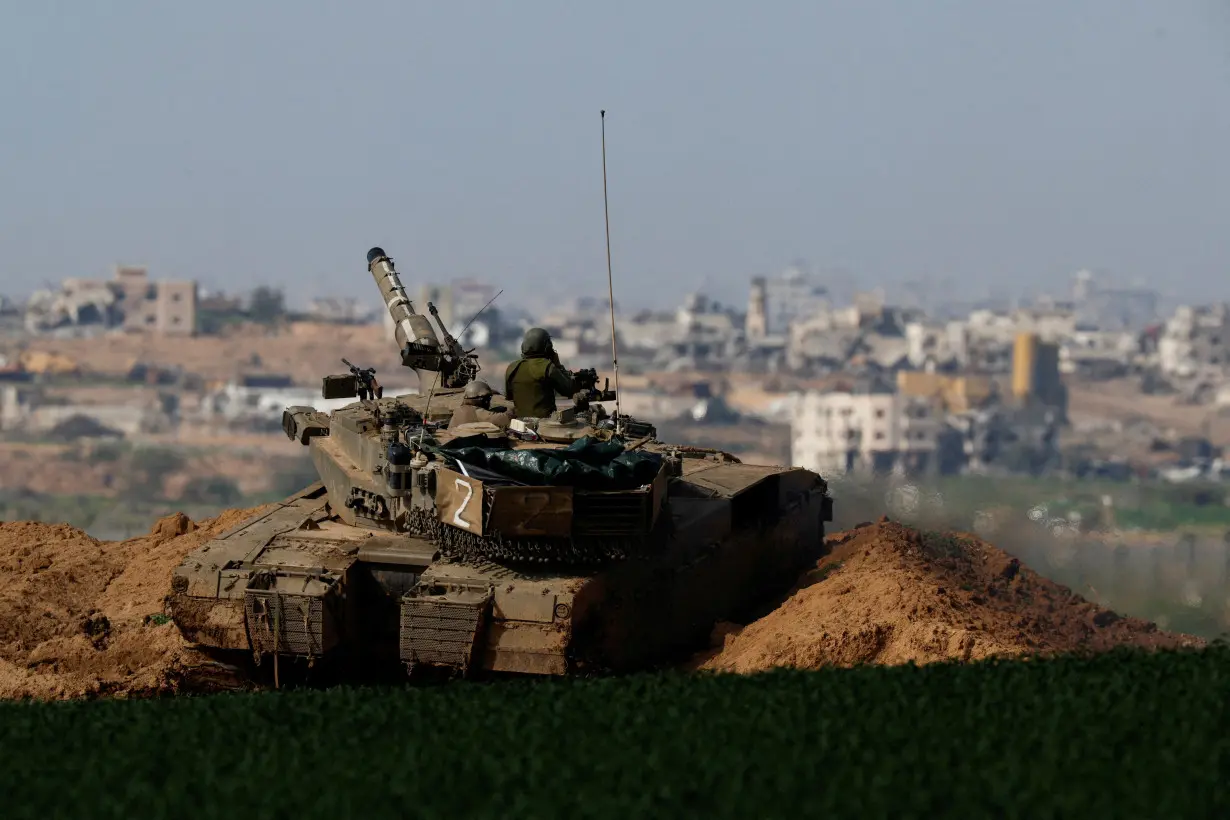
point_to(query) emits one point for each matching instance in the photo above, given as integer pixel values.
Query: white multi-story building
(1051, 325)
(835, 433)
(1195, 340)
(1088, 351)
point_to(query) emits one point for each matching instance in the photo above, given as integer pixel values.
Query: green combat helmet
(537, 342)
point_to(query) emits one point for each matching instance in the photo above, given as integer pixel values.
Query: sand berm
(81, 617)
(889, 594)
(85, 618)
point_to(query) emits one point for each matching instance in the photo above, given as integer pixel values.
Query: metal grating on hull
(440, 628)
(611, 513)
(291, 623)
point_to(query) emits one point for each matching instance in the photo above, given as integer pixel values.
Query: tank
(574, 544)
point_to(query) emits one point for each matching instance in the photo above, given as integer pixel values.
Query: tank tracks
(589, 551)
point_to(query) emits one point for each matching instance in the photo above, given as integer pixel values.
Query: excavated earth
(888, 594)
(81, 617)
(85, 618)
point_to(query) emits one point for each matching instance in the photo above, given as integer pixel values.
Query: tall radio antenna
(610, 280)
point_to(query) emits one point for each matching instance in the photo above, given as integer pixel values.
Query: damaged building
(130, 300)
(930, 422)
(1195, 342)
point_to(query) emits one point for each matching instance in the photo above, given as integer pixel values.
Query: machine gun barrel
(410, 327)
(586, 382)
(366, 386)
(450, 342)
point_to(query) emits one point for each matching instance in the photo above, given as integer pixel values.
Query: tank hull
(573, 544)
(297, 581)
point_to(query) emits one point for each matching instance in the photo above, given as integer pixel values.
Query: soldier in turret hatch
(532, 381)
(476, 406)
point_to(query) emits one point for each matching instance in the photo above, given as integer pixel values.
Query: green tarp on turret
(586, 464)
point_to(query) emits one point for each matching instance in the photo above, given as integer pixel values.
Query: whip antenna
(610, 281)
(481, 310)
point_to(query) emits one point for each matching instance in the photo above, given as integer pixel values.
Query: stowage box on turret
(574, 543)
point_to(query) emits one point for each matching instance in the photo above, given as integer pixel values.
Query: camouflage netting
(586, 464)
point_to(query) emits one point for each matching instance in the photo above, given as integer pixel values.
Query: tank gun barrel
(436, 364)
(410, 327)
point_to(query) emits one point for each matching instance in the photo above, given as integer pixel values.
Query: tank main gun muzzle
(447, 365)
(411, 328)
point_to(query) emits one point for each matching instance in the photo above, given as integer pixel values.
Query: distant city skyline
(1002, 147)
(936, 296)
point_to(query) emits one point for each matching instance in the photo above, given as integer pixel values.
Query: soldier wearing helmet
(476, 406)
(532, 381)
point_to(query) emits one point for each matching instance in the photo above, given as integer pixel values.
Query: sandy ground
(66, 469)
(304, 350)
(1121, 400)
(83, 618)
(887, 595)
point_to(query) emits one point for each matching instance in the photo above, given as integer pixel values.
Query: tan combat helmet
(478, 392)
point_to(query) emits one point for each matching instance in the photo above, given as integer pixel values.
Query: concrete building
(14, 403)
(1006, 439)
(469, 297)
(874, 431)
(1035, 373)
(985, 342)
(1195, 341)
(339, 310)
(127, 419)
(928, 347)
(129, 300)
(777, 301)
(25, 409)
(237, 402)
(955, 394)
(1050, 324)
(865, 336)
(756, 326)
(164, 307)
(1098, 354)
(439, 295)
(459, 304)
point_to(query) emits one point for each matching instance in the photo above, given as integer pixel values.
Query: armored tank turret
(573, 543)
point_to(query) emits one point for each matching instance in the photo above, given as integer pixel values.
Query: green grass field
(1122, 735)
(1157, 577)
(1148, 505)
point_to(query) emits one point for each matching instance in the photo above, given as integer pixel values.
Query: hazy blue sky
(996, 143)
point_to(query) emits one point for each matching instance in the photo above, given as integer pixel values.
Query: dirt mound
(888, 594)
(82, 617)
